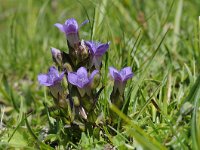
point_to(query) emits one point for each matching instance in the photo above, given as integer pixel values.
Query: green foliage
(160, 40)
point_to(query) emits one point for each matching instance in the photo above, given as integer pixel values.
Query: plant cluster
(75, 82)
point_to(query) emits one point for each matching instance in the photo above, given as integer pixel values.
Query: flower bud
(57, 56)
(67, 67)
(65, 86)
(82, 51)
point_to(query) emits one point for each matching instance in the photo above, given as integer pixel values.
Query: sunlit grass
(158, 39)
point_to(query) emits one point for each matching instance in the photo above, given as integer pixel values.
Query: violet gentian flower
(81, 78)
(120, 77)
(70, 28)
(51, 78)
(96, 50)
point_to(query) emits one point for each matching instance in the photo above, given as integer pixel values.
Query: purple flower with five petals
(96, 50)
(80, 78)
(70, 28)
(51, 78)
(121, 77)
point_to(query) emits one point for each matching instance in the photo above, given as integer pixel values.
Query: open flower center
(123, 73)
(82, 79)
(52, 77)
(71, 29)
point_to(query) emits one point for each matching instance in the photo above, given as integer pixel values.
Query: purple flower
(96, 50)
(80, 78)
(70, 28)
(51, 78)
(120, 77)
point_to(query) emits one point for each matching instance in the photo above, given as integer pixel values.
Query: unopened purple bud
(56, 55)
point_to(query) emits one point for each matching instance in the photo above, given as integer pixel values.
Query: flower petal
(101, 49)
(71, 26)
(92, 75)
(112, 70)
(83, 82)
(83, 23)
(72, 78)
(128, 77)
(51, 78)
(126, 73)
(43, 80)
(128, 70)
(62, 74)
(82, 72)
(91, 47)
(117, 76)
(60, 27)
(60, 77)
(53, 72)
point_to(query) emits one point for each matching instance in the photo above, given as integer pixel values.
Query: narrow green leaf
(137, 133)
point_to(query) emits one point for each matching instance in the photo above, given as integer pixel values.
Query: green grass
(160, 40)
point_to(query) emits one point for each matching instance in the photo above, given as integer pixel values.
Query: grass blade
(137, 133)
